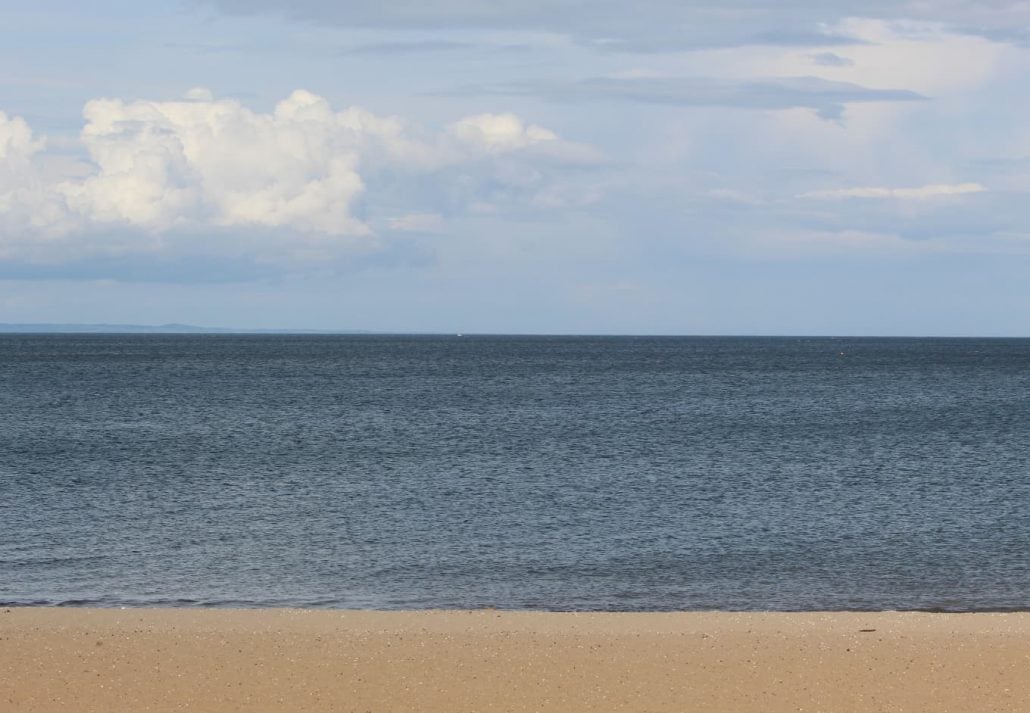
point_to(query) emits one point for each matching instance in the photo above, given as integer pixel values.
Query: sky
(805, 167)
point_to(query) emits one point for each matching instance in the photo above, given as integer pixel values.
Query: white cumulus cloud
(25, 197)
(162, 165)
(300, 172)
(499, 132)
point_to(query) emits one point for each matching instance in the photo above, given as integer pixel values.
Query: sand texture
(138, 660)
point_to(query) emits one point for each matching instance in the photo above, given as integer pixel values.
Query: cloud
(826, 97)
(970, 222)
(692, 37)
(17, 146)
(208, 176)
(162, 165)
(652, 25)
(936, 190)
(201, 94)
(495, 133)
(24, 197)
(922, 56)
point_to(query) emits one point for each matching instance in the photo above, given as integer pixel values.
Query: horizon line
(173, 328)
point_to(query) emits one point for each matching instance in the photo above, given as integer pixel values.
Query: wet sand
(109, 661)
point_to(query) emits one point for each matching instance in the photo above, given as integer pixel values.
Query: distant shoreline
(153, 329)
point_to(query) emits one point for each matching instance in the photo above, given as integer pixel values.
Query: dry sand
(109, 661)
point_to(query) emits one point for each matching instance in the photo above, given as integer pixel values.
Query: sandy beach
(81, 660)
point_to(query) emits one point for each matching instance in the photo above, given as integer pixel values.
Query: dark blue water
(538, 473)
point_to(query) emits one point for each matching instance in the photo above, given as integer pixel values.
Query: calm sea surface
(517, 472)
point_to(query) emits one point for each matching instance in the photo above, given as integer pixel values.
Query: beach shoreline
(113, 660)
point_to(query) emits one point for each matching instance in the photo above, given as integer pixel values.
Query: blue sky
(663, 167)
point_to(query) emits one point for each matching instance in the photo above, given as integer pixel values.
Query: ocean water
(515, 472)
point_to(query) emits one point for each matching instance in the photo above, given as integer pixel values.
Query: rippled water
(516, 472)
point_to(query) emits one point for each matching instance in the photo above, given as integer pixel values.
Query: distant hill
(152, 329)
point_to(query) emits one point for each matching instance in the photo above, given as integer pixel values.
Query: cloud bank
(295, 178)
(827, 98)
(652, 25)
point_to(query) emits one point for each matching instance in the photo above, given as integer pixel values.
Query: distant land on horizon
(155, 329)
(176, 328)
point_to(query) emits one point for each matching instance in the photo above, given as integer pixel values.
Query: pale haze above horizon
(658, 167)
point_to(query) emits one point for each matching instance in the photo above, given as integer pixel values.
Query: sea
(515, 472)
